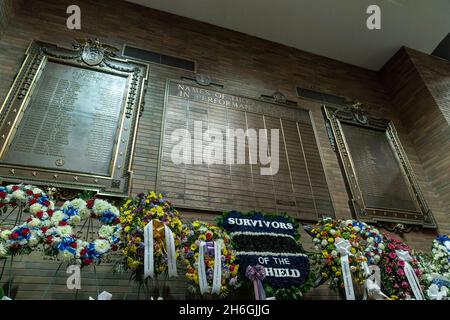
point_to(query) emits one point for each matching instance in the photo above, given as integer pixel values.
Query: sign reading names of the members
(270, 241)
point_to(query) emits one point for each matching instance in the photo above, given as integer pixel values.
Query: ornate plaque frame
(336, 118)
(86, 54)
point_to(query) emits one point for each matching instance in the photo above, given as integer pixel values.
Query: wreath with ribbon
(54, 227)
(435, 268)
(210, 259)
(257, 235)
(364, 248)
(151, 235)
(400, 273)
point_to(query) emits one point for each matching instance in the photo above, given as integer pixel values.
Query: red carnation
(25, 231)
(15, 188)
(14, 235)
(62, 223)
(44, 229)
(32, 201)
(29, 219)
(116, 220)
(73, 245)
(50, 212)
(49, 239)
(87, 262)
(232, 267)
(39, 214)
(29, 192)
(83, 251)
(2, 194)
(114, 247)
(46, 203)
(90, 203)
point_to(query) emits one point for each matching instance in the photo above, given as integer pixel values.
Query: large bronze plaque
(380, 180)
(71, 107)
(299, 187)
(70, 118)
(379, 174)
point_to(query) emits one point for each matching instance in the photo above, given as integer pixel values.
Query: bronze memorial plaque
(70, 118)
(380, 179)
(71, 107)
(296, 185)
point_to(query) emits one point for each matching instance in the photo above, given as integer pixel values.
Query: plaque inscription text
(71, 121)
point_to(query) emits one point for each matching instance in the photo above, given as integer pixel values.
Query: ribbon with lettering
(434, 293)
(256, 274)
(148, 251)
(202, 282)
(171, 255)
(344, 247)
(217, 280)
(410, 274)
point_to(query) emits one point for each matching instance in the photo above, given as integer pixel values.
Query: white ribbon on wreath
(410, 274)
(149, 261)
(437, 294)
(149, 267)
(217, 273)
(372, 285)
(344, 247)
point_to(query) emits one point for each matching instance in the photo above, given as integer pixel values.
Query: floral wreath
(251, 242)
(135, 214)
(196, 232)
(366, 246)
(393, 278)
(54, 227)
(436, 267)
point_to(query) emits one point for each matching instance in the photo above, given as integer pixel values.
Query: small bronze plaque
(380, 179)
(70, 118)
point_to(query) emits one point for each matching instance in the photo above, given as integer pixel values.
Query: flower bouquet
(436, 268)
(366, 247)
(200, 243)
(136, 213)
(393, 276)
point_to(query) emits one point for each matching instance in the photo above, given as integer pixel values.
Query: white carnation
(334, 253)
(324, 243)
(100, 206)
(105, 231)
(381, 246)
(57, 216)
(75, 219)
(115, 211)
(84, 213)
(5, 234)
(356, 228)
(33, 241)
(101, 246)
(35, 208)
(78, 203)
(332, 232)
(19, 195)
(65, 231)
(35, 222)
(37, 190)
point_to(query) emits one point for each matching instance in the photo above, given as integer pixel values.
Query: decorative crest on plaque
(359, 114)
(279, 98)
(93, 51)
(203, 80)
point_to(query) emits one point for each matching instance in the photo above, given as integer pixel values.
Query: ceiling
(330, 28)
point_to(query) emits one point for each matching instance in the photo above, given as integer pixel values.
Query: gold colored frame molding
(354, 115)
(87, 54)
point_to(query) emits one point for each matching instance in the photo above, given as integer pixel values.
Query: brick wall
(245, 65)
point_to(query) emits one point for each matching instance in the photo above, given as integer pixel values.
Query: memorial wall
(250, 83)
